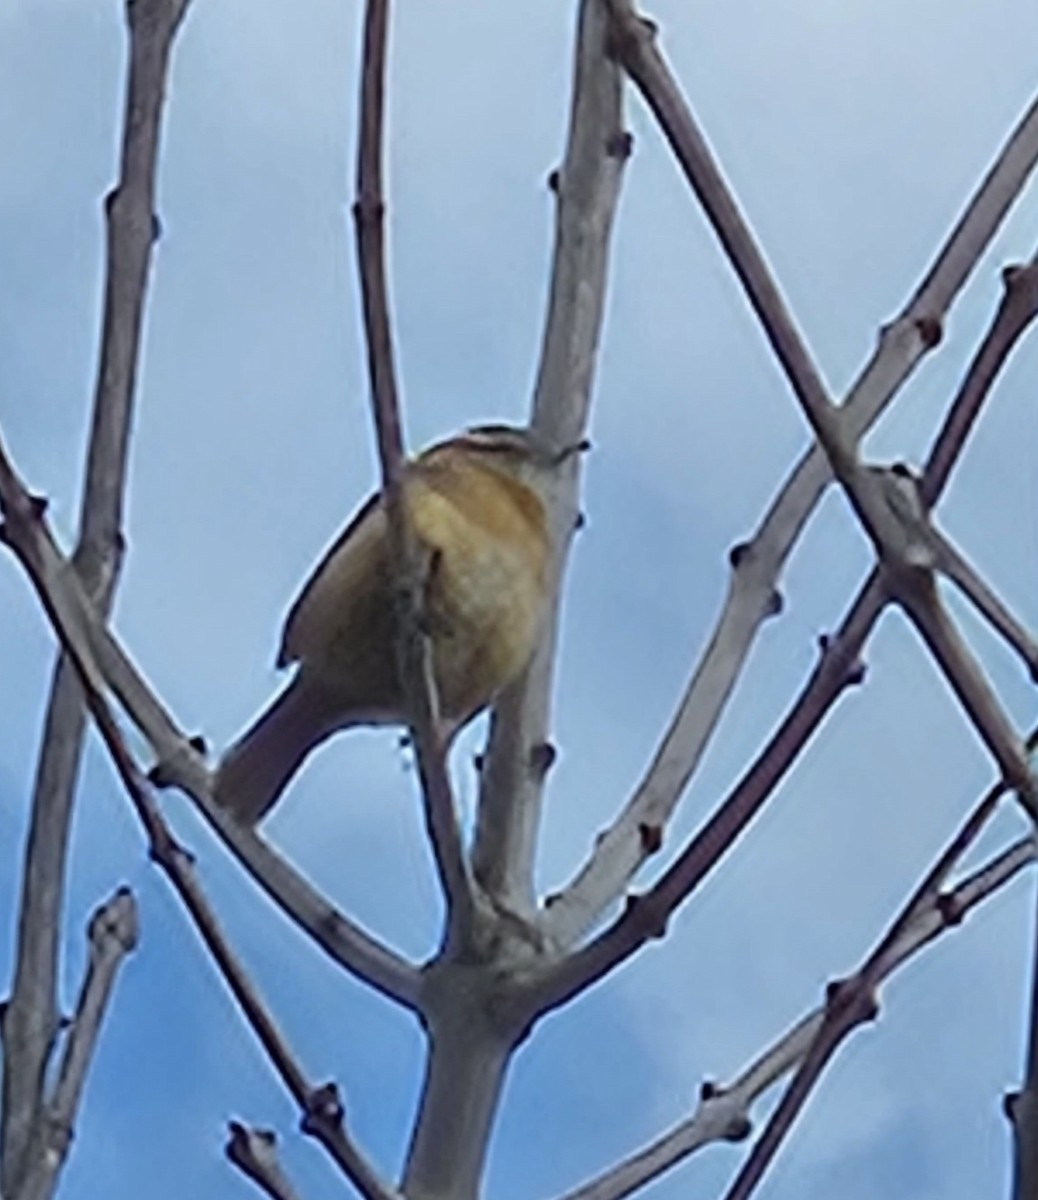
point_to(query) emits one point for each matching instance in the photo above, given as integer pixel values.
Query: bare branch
(988, 603)
(179, 762)
(321, 1107)
(254, 1153)
(645, 917)
(724, 1110)
(587, 189)
(879, 508)
(414, 654)
(113, 934)
(968, 680)
(854, 1001)
(1015, 314)
(752, 597)
(31, 1018)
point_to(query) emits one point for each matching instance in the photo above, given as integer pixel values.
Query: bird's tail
(256, 769)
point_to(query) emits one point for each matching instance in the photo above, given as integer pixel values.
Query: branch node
(579, 521)
(739, 554)
(774, 604)
(951, 909)
(651, 835)
(324, 1109)
(38, 505)
(156, 227)
(542, 758)
(553, 180)
(621, 145)
(653, 918)
(162, 774)
(738, 1128)
(855, 671)
(930, 329)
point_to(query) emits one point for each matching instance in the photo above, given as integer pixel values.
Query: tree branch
(113, 934)
(622, 849)
(414, 652)
(854, 1001)
(254, 1153)
(724, 1110)
(31, 1019)
(587, 189)
(321, 1107)
(646, 917)
(179, 761)
(896, 539)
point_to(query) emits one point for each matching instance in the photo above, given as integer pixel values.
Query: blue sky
(853, 134)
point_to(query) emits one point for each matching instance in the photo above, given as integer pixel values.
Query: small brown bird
(477, 505)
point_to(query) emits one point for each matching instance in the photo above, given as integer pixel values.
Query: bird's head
(514, 449)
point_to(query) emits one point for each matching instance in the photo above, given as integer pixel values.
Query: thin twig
(31, 1018)
(724, 1110)
(414, 656)
(113, 934)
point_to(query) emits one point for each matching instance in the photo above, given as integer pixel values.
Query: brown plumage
(477, 504)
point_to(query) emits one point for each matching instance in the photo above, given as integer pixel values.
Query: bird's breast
(488, 534)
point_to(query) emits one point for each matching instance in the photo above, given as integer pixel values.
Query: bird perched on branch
(477, 505)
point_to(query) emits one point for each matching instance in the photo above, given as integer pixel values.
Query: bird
(477, 504)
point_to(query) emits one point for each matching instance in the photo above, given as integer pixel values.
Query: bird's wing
(344, 570)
